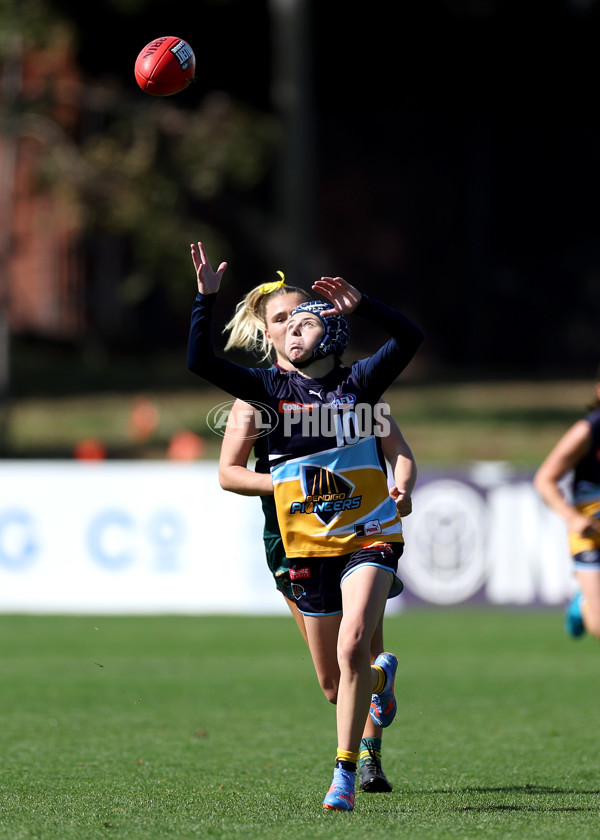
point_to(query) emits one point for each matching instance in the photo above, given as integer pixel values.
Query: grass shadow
(527, 790)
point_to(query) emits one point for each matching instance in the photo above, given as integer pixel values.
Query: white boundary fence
(154, 537)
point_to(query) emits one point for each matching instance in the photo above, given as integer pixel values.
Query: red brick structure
(43, 288)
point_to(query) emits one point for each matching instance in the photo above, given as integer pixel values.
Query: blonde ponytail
(247, 326)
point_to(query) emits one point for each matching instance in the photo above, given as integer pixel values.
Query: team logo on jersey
(326, 494)
(297, 591)
(343, 401)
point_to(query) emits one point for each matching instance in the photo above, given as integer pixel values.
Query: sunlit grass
(150, 728)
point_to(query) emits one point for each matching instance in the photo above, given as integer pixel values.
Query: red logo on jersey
(295, 574)
(287, 405)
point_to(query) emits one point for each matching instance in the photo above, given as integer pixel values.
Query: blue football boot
(573, 619)
(383, 705)
(340, 796)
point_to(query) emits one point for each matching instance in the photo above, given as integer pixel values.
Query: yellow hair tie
(267, 288)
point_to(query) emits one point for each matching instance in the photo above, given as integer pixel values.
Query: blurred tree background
(444, 155)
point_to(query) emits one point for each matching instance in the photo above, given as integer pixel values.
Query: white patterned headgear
(337, 332)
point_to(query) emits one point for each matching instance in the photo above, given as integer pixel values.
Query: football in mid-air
(165, 66)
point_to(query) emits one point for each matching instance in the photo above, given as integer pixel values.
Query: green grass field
(214, 727)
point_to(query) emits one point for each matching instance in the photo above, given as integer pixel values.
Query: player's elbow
(226, 481)
(539, 481)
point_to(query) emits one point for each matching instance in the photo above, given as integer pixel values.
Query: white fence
(139, 537)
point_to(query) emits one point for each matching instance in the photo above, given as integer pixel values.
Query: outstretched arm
(570, 449)
(381, 370)
(404, 468)
(377, 372)
(245, 383)
(240, 434)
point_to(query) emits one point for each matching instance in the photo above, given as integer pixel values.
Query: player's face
(303, 332)
(277, 314)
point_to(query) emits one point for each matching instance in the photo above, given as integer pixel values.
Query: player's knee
(353, 653)
(330, 690)
(332, 696)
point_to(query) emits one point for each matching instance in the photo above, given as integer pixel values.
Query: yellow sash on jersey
(577, 543)
(335, 501)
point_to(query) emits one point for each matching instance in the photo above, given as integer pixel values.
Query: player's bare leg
(298, 617)
(589, 582)
(322, 634)
(372, 778)
(364, 594)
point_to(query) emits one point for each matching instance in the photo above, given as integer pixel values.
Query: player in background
(578, 451)
(259, 325)
(340, 528)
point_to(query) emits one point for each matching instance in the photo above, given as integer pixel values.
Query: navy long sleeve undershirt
(375, 373)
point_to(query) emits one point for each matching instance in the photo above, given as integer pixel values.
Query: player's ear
(267, 335)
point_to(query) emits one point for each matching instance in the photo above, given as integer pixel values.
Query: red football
(165, 66)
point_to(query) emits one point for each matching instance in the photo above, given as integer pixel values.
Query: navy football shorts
(317, 581)
(589, 560)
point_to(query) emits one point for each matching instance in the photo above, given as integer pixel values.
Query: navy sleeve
(246, 383)
(594, 420)
(377, 373)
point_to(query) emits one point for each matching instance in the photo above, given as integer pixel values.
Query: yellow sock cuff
(365, 754)
(346, 755)
(381, 678)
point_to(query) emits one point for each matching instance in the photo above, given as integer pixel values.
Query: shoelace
(373, 757)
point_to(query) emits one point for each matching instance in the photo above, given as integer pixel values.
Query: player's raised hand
(208, 280)
(344, 297)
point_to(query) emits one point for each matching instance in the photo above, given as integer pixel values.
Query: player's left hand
(344, 297)
(403, 501)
